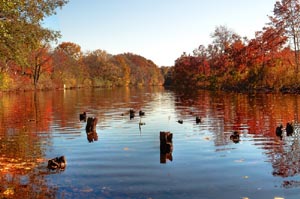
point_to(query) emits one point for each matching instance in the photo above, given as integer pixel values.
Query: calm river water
(122, 159)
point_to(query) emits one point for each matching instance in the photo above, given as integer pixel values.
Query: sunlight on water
(122, 158)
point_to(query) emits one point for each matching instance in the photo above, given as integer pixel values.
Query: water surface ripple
(122, 158)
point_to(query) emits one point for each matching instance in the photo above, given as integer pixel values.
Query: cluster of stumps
(289, 129)
(166, 143)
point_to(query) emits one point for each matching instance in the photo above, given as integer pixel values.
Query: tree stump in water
(131, 113)
(82, 116)
(57, 163)
(166, 146)
(91, 129)
(91, 124)
(92, 136)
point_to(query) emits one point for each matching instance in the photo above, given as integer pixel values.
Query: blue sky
(159, 30)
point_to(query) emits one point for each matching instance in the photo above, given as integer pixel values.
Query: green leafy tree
(21, 30)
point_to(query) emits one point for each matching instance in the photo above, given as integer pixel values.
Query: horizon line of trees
(270, 61)
(66, 66)
(28, 62)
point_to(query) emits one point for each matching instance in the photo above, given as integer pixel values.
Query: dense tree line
(27, 61)
(101, 69)
(67, 67)
(270, 61)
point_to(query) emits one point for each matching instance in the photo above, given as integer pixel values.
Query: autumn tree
(222, 37)
(168, 73)
(287, 17)
(262, 55)
(102, 71)
(125, 70)
(142, 71)
(41, 62)
(21, 29)
(68, 66)
(70, 49)
(190, 71)
(96, 62)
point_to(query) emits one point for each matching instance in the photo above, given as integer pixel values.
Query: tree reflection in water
(22, 168)
(22, 164)
(285, 160)
(256, 114)
(25, 135)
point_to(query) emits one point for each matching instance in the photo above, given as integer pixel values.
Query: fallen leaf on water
(8, 191)
(41, 160)
(206, 138)
(245, 177)
(245, 198)
(126, 149)
(278, 198)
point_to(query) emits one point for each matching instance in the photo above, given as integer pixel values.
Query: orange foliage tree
(232, 62)
(264, 62)
(68, 66)
(40, 62)
(287, 19)
(190, 71)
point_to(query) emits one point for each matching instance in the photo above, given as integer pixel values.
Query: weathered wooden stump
(90, 128)
(279, 131)
(92, 136)
(131, 113)
(235, 137)
(91, 124)
(57, 163)
(198, 120)
(141, 113)
(82, 116)
(289, 129)
(166, 146)
(165, 157)
(180, 121)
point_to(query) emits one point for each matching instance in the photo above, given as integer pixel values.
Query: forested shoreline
(267, 63)
(66, 67)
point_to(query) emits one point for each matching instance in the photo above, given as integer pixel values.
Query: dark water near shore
(123, 158)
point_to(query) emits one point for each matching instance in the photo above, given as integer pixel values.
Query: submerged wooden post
(166, 146)
(91, 129)
(131, 113)
(92, 136)
(82, 116)
(91, 124)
